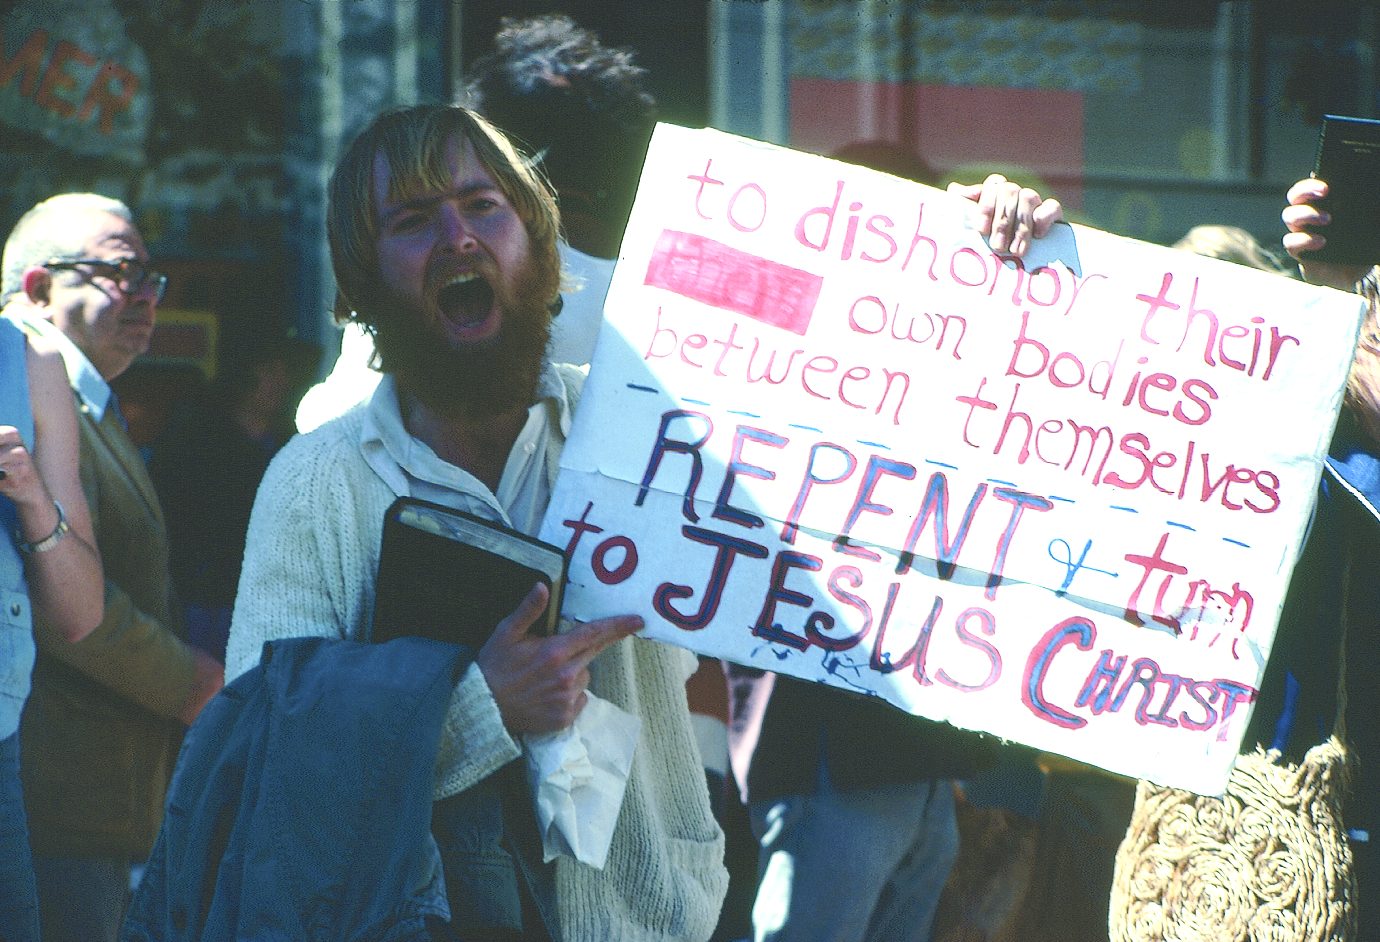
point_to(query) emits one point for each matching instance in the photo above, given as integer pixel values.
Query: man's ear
(37, 284)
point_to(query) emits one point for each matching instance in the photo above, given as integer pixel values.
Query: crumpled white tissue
(578, 776)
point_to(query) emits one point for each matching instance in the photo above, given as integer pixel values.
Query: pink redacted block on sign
(724, 277)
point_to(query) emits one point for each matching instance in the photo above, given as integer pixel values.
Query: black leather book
(449, 575)
(1349, 163)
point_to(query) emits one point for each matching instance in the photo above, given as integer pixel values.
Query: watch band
(49, 541)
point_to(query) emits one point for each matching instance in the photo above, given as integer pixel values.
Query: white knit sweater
(310, 563)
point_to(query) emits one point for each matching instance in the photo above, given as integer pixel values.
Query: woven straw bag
(1266, 862)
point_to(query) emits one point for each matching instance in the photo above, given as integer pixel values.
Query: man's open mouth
(466, 300)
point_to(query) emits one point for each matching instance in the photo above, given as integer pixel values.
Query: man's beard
(470, 382)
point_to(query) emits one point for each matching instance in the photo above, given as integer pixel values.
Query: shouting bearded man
(443, 241)
(444, 244)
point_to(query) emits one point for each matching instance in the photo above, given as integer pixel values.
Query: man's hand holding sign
(865, 445)
(1008, 214)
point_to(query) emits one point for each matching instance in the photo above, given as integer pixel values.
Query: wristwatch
(49, 541)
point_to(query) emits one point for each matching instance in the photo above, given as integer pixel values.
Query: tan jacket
(99, 733)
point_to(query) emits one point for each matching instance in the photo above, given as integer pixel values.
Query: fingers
(1307, 224)
(559, 708)
(1047, 214)
(1302, 217)
(1010, 215)
(1306, 190)
(1004, 205)
(587, 640)
(1297, 243)
(18, 476)
(540, 683)
(996, 200)
(515, 626)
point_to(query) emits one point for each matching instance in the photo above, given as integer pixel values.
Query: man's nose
(148, 291)
(455, 229)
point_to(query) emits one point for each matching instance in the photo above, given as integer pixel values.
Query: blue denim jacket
(16, 618)
(301, 806)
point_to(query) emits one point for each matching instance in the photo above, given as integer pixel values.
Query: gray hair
(45, 234)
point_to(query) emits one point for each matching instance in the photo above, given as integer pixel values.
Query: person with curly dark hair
(582, 108)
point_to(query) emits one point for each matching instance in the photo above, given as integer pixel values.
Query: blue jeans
(18, 896)
(863, 865)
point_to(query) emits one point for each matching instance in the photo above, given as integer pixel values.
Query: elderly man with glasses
(100, 731)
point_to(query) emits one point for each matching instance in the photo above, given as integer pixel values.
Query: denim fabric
(16, 619)
(18, 897)
(860, 865)
(491, 850)
(17, 652)
(481, 873)
(301, 803)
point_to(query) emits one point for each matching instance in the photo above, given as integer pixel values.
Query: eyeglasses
(130, 273)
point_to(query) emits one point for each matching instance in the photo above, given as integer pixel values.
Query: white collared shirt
(411, 468)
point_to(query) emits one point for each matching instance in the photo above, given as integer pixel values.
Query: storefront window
(1143, 118)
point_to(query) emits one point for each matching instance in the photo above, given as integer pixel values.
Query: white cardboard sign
(827, 432)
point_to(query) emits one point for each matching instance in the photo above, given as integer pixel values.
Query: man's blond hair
(412, 142)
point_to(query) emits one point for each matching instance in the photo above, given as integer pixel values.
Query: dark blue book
(451, 576)
(1349, 163)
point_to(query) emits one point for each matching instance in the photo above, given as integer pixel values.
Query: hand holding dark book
(452, 576)
(1349, 162)
(449, 575)
(538, 681)
(1308, 232)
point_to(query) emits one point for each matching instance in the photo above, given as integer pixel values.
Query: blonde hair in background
(1232, 244)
